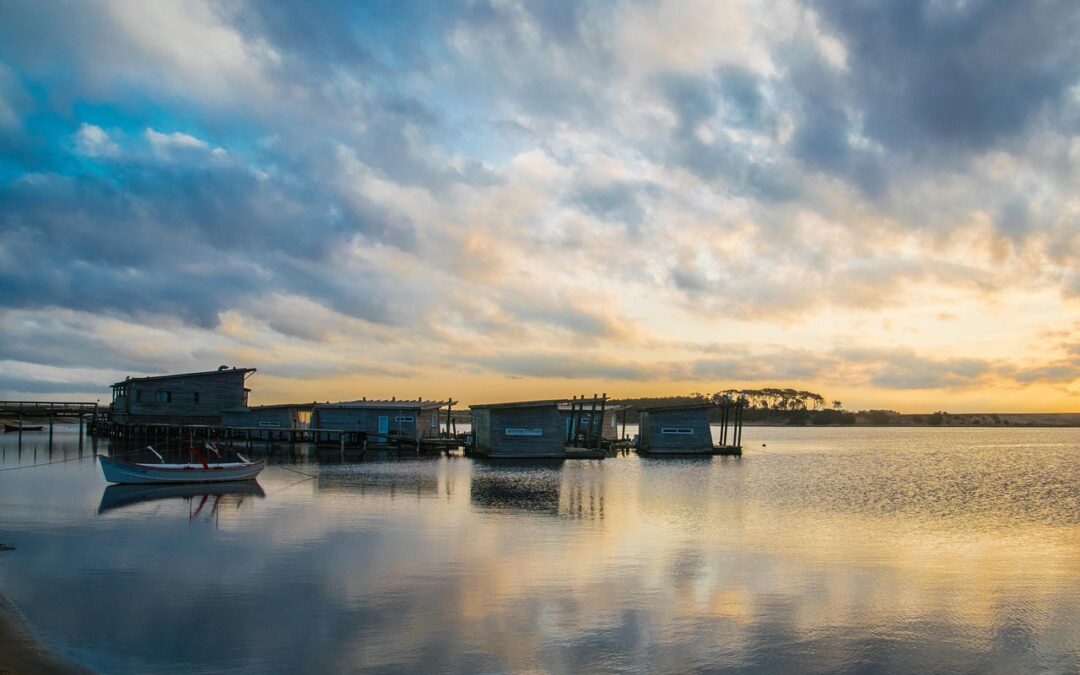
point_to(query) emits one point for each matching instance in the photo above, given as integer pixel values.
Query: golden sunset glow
(632, 198)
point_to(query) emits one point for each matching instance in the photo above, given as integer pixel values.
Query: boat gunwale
(231, 466)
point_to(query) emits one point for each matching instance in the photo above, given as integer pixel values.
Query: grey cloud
(691, 97)
(735, 96)
(619, 201)
(904, 369)
(564, 365)
(188, 241)
(19, 385)
(777, 366)
(1062, 372)
(582, 315)
(934, 74)
(741, 98)
(824, 128)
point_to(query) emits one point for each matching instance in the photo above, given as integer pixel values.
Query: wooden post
(600, 426)
(571, 433)
(592, 422)
(738, 425)
(723, 424)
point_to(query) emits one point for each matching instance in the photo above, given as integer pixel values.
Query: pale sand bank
(21, 652)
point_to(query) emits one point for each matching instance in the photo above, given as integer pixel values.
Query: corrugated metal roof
(519, 404)
(678, 406)
(269, 406)
(564, 405)
(176, 375)
(392, 404)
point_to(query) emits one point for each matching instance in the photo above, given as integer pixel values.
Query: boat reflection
(122, 496)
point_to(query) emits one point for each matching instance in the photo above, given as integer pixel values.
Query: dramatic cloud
(877, 199)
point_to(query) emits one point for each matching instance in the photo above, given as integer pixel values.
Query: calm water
(829, 550)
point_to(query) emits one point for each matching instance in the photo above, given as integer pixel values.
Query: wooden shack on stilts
(549, 429)
(686, 429)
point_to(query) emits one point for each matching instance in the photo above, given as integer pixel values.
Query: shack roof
(518, 404)
(272, 406)
(564, 405)
(383, 404)
(683, 406)
(150, 378)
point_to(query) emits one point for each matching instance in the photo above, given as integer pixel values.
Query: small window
(269, 424)
(195, 397)
(525, 432)
(434, 421)
(404, 418)
(677, 431)
(164, 397)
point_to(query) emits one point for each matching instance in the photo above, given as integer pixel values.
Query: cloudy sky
(500, 199)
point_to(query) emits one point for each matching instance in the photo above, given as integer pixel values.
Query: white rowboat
(119, 471)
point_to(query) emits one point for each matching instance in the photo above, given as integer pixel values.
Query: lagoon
(823, 550)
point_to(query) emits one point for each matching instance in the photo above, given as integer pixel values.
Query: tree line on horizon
(776, 404)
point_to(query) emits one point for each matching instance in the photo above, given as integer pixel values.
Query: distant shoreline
(934, 420)
(21, 652)
(778, 418)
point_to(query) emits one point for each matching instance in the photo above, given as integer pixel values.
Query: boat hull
(129, 473)
(15, 427)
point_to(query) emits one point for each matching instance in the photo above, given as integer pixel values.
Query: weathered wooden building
(381, 420)
(276, 416)
(185, 398)
(552, 429)
(525, 429)
(686, 430)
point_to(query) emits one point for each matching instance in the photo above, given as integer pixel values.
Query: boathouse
(185, 398)
(608, 419)
(549, 429)
(276, 416)
(381, 420)
(686, 429)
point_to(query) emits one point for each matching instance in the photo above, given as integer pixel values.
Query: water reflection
(531, 487)
(379, 479)
(121, 496)
(866, 551)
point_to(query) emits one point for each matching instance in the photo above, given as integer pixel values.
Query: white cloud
(165, 144)
(191, 47)
(93, 141)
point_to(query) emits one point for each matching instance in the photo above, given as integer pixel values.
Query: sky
(498, 200)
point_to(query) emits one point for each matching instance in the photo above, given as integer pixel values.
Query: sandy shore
(21, 653)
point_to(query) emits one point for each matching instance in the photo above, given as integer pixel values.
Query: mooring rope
(69, 459)
(302, 473)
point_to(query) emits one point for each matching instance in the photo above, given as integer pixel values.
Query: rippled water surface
(826, 550)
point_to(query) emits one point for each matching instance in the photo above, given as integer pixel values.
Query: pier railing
(46, 408)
